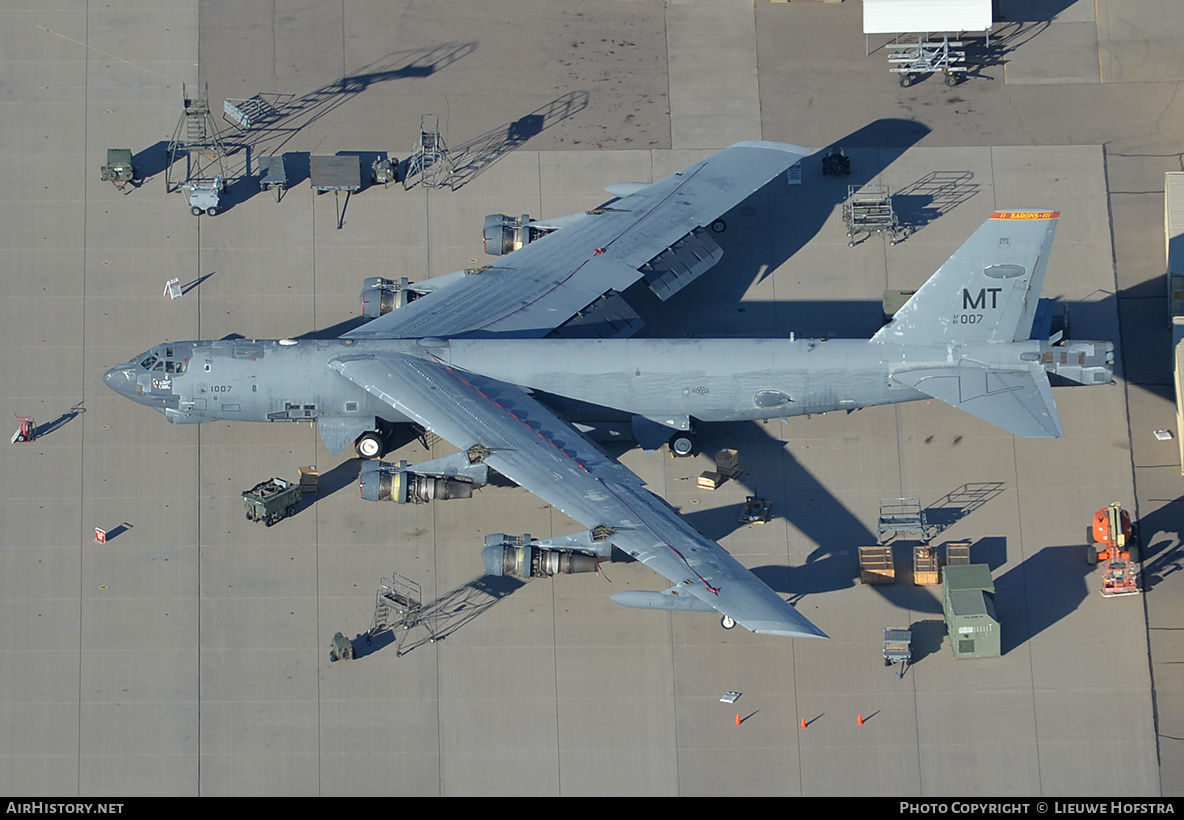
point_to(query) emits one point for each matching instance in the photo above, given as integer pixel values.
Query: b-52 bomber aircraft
(476, 360)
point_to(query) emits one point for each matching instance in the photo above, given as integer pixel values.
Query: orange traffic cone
(738, 720)
(803, 723)
(859, 722)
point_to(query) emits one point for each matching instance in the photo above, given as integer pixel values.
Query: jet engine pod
(505, 234)
(381, 296)
(379, 481)
(506, 555)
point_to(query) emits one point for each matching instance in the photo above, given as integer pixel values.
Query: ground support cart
(271, 500)
(927, 57)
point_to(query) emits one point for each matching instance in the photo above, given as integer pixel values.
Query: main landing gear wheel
(369, 445)
(727, 622)
(682, 445)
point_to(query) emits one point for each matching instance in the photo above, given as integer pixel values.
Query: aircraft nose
(121, 379)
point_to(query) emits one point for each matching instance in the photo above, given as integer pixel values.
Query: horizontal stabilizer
(1018, 401)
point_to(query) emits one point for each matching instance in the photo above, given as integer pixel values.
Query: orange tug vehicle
(1112, 543)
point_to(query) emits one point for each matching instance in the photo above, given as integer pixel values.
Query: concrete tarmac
(189, 654)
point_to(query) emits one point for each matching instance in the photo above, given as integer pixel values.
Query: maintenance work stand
(902, 516)
(429, 162)
(910, 60)
(196, 137)
(398, 607)
(868, 210)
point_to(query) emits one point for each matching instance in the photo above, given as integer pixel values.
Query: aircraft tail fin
(987, 291)
(1016, 400)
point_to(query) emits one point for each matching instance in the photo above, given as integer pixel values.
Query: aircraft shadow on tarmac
(779, 220)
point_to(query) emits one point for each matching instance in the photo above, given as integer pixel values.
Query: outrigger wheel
(682, 444)
(369, 445)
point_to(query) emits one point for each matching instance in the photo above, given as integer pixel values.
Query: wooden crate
(876, 565)
(925, 569)
(710, 481)
(727, 463)
(309, 479)
(957, 553)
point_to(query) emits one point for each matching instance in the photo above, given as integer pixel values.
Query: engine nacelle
(381, 296)
(506, 234)
(506, 555)
(379, 481)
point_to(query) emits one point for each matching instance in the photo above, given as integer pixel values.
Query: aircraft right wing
(528, 444)
(662, 233)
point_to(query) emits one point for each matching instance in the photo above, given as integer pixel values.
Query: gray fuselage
(662, 380)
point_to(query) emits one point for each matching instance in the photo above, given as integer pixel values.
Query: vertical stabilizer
(987, 291)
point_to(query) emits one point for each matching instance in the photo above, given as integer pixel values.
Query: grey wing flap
(705, 570)
(1019, 401)
(534, 448)
(658, 232)
(694, 197)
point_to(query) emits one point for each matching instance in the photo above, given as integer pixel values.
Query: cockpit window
(166, 363)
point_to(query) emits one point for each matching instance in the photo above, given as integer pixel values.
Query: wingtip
(775, 146)
(806, 630)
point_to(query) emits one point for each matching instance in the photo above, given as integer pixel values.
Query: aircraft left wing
(531, 446)
(662, 233)
(1018, 401)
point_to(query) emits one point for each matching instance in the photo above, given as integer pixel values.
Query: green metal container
(968, 597)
